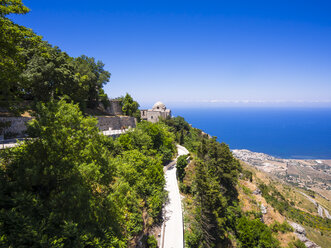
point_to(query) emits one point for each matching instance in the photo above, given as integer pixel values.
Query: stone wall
(17, 125)
(115, 108)
(115, 122)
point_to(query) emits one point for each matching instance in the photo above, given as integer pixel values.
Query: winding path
(172, 230)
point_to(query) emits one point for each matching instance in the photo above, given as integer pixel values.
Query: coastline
(308, 174)
(292, 157)
(281, 132)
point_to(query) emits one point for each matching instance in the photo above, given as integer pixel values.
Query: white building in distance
(153, 115)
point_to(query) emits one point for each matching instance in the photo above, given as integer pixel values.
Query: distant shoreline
(312, 174)
(283, 133)
(287, 158)
(294, 157)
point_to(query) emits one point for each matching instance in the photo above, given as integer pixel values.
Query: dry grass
(285, 238)
(323, 239)
(301, 202)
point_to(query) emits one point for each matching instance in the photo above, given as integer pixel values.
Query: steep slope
(280, 201)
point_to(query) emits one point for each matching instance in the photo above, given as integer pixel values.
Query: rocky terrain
(300, 232)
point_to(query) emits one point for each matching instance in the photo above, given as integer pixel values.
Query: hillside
(286, 202)
(259, 194)
(308, 174)
(68, 185)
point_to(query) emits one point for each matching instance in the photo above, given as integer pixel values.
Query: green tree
(180, 166)
(49, 74)
(179, 126)
(33, 70)
(254, 233)
(12, 7)
(52, 74)
(92, 77)
(55, 188)
(215, 195)
(130, 107)
(151, 139)
(11, 59)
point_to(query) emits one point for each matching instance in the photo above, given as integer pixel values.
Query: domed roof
(159, 106)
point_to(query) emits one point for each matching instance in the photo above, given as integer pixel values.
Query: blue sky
(198, 52)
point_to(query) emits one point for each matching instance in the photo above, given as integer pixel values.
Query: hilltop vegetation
(32, 70)
(70, 186)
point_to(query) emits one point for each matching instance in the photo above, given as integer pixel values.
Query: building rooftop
(159, 106)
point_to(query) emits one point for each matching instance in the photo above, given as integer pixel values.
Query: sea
(296, 133)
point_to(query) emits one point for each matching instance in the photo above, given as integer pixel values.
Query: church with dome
(154, 114)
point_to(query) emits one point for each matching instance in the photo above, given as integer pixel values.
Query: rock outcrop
(300, 232)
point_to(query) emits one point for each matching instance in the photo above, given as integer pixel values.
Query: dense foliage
(214, 218)
(70, 186)
(253, 233)
(180, 167)
(179, 127)
(32, 70)
(11, 58)
(130, 107)
(150, 139)
(214, 193)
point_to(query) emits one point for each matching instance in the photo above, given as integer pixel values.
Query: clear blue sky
(195, 52)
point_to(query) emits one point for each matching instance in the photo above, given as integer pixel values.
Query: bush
(186, 189)
(149, 241)
(246, 174)
(297, 244)
(180, 166)
(254, 233)
(283, 228)
(152, 242)
(246, 190)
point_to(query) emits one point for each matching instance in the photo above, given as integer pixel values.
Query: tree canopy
(11, 57)
(32, 70)
(12, 7)
(130, 107)
(69, 186)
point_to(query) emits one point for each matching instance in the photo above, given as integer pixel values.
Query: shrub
(254, 233)
(297, 244)
(246, 174)
(180, 166)
(246, 190)
(283, 228)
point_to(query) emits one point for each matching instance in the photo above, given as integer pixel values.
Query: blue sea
(300, 133)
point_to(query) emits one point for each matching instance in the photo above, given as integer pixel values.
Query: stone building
(153, 115)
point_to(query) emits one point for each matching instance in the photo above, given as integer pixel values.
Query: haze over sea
(300, 133)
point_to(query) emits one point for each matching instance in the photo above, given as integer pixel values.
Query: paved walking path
(172, 230)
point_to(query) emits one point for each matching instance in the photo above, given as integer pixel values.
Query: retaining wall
(17, 125)
(115, 108)
(115, 122)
